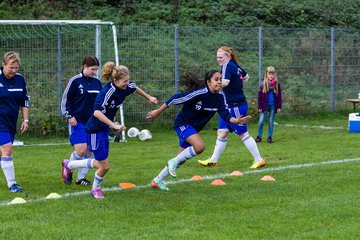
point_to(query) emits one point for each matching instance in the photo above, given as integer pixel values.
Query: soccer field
(315, 163)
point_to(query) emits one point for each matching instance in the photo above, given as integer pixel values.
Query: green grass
(313, 202)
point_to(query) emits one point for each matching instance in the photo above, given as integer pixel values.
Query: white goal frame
(98, 24)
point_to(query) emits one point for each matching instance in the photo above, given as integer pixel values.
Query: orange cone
(267, 178)
(197, 178)
(127, 185)
(236, 173)
(218, 182)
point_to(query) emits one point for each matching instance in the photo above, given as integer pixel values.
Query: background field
(314, 201)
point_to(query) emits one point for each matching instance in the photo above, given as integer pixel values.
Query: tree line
(245, 13)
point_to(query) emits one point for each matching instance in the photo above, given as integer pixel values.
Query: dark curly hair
(191, 82)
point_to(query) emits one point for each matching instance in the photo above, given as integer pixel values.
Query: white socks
(7, 166)
(186, 154)
(83, 170)
(97, 181)
(252, 147)
(219, 148)
(84, 163)
(162, 175)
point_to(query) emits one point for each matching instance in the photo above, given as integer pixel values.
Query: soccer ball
(145, 135)
(133, 132)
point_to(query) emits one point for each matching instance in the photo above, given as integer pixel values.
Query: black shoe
(269, 140)
(258, 139)
(83, 182)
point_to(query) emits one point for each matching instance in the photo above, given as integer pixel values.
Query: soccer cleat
(207, 163)
(172, 167)
(97, 193)
(15, 188)
(159, 185)
(258, 139)
(258, 164)
(83, 182)
(66, 172)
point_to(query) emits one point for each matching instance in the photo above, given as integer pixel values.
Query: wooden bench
(355, 102)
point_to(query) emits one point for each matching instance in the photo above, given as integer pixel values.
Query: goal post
(51, 52)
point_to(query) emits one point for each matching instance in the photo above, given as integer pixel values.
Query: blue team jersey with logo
(13, 96)
(79, 97)
(108, 102)
(199, 106)
(234, 91)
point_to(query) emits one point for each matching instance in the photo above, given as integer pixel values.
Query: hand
(260, 110)
(279, 110)
(153, 114)
(24, 126)
(153, 100)
(118, 127)
(72, 121)
(242, 120)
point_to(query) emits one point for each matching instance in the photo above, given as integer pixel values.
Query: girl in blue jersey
(97, 127)
(199, 106)
(13, 95)
(77, 105)
(233, 79)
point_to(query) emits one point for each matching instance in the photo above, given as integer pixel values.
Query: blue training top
(13, 95)
(234, 91)
(108, 102)
(199, 106)
(79, 97)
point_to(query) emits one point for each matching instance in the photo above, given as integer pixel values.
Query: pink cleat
(97, 193)
(66, 172)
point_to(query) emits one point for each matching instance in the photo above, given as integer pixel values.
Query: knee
(222, 134)
(6, 150)
(80, 152)
(241, 136)
(199, 148)
(106, 168)
(102, 166)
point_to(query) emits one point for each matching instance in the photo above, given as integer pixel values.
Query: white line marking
(223, 175)
(306, 126)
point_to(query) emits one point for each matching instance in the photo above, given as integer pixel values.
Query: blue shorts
(6, 137)
(183, 133)
(232, 127)
(98, 144)
(77, 134)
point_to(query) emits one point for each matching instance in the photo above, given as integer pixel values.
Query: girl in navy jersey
(233, 79)
(97, 127)
(13, 95)
(199, 106)
(77, 105)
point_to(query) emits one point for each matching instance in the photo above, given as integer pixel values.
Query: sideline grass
(317, 202)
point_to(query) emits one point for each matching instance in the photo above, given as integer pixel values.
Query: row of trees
(246, 13)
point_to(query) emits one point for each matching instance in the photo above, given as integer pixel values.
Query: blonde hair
(10, 57)
(110, 72)
(265, 83)
(230, 51)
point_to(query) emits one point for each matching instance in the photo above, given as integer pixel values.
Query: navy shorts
(232, 127)
(6, 137)
(98, 144)
(183, 133)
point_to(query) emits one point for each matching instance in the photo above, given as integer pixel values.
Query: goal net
(51, 52)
